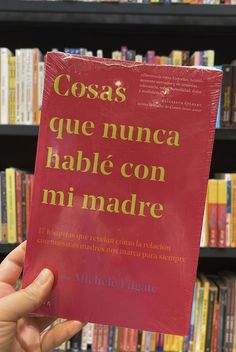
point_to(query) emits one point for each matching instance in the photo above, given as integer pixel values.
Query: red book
(120, 182)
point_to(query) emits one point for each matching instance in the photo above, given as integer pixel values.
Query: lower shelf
(6, 248)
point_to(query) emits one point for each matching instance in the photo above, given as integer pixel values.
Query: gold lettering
(113, 207)
(78, 89)
(106, 93)
(123, 169)
(156, 210)
(120, 92)
(54, 195)
(140, 134)
(106, 130)
(52, 163)
(57, 129)
(92, 205)
(156, 136)
(57, 82)
(173, 138)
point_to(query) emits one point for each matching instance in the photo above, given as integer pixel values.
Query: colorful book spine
(19, 206)
(11, 205)
(212, 212)
(221, 212)
(226, 96)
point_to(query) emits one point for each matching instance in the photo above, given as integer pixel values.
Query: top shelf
(117, 13)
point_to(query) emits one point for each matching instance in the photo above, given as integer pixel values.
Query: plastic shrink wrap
(121, 173)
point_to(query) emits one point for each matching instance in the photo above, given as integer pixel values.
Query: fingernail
(43, 276)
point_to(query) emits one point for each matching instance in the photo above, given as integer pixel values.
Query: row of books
(21, 86)
(22, 77)
(176, 57)
(212, 325)
(204, 2)
(15, 201)
(228, 97)
(219, 222)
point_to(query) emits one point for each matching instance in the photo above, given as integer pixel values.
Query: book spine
(204, 233)
(99, 338)
(111, 338)
(95, 338)
(233, 97)
(147, 341)
(116, 339)
(134, 340)
(199, 324)
(12, 90)
(215, 331)
(22, 86)
(209, 326)
(23, 206)
(153, 342)
(232, 317)
(212, 213)
(228, 214)
(29, 86)
(222, 318)
(28, 199)
(4, 53)
(3, 207)
(233, 210)
(11, 205)
(120, 342)
(221, 212)
(35, 84)
(90, 331)
(226, 345)
(40, 88)
(84, 338)
(19, 206)
(204, 315)
(226, 96)
(192, 320)
(18, 86)
(139, 342)
(177, 57)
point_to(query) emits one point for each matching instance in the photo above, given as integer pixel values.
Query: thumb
(19, 304)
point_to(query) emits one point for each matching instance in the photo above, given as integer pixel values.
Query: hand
(19, 332)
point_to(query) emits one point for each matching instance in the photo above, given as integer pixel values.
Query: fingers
(59, 333)
(11, 267)
(22, 302)
(44, 322)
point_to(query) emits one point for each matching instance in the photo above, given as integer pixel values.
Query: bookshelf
(60, 24)
(50, 24)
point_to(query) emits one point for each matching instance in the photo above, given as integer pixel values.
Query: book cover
(120, 183)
